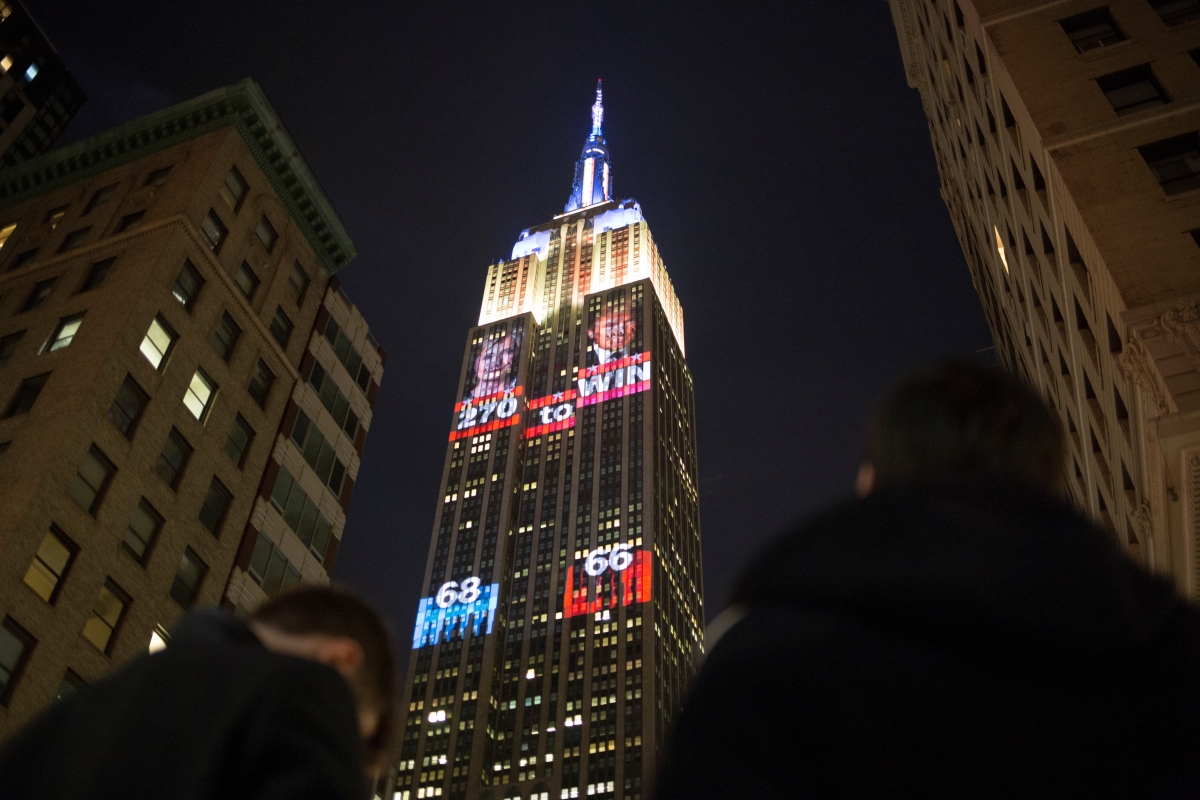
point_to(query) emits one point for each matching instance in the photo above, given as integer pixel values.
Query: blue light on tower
(593, 173)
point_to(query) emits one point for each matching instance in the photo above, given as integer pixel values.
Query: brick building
(184, 389)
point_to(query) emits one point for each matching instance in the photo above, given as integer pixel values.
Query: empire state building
(563, 589)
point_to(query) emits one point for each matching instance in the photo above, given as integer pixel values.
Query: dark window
(8, 344)
(235, 189)
(107, 614)
(298, 280)
(100, 199)
(11, 106)
(50, 564)
(97, 274)
(270, 568)
(54, 216)
(69, 685)
(281, 327)
(143, 529)
(64, 334)
(260, 384)
(158, 177)
(246, 280)
(127, 407)
(37, 297)
(188, 578)
(213, 231)
(23, 258)
(91, 480)
(130, 220)
(1175, 162)
(216, 504)
(241, 435)
(1092, 29)
(225, 337)
(173, 458)
(187, 285)
(73, 239)
(15, 646)
(266, 233)
(1195, 54)
(1132, 89)
(27, 395)
(1176, 12)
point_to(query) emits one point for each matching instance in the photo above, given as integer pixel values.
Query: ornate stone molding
(1136, 364)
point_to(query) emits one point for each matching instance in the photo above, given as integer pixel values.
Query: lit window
(1000, 248)
(55, 215)
(235, 189)
(225, 336)
(246, 280)
(199, 395)
(187, 285)
(107, 613)
(281, 327)
(213, 231)
(260, 383)
(158, 343)
(173, 458)
(64, 333)
(50, 564)
(97, 274)
(27, 395)
(127, 406)
(6, 63)
(238, 443)
(188, 578)
(15, 646)
(91, 480)
(32, 72)
(6, 232)
(216, 503)
(143, 528)
(158, 639)
(266, 234)
(100, 199)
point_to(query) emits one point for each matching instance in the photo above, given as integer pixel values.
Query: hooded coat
(946, 641)
(214, 715)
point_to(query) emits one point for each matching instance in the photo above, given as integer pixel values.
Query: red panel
(610, 588)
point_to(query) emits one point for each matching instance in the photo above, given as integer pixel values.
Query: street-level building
(1067, 138)
(563, 590)
(184, 389)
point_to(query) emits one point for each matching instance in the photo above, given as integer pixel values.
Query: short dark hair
(962, 419)
(336, 611)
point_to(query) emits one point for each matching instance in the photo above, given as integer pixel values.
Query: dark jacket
(946, 641)
(215, 715)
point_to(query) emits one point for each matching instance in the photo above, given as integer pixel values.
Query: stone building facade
(1066, 137)
(184, 388)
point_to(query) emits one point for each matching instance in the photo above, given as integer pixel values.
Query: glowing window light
(1000, 249)
(32, 72)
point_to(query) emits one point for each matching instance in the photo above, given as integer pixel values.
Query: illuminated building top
(593, 174)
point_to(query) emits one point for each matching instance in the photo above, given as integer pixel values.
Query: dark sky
(782, 162)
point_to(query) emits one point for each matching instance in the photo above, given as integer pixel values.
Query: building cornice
(242, 106)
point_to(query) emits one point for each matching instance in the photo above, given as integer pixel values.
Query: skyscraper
(563, 585)
(1067, 144)
(184, 388)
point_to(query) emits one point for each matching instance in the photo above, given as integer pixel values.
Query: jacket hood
(995, 569)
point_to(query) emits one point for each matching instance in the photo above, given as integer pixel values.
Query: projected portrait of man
(495, 367)
(611, 337)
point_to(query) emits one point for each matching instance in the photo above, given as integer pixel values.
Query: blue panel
(436, 624)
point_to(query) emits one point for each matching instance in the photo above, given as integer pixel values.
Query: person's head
(493, 365)
(339, 629)
(957, 420)
(613, 330)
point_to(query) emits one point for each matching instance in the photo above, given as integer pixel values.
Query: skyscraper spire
(593, 174)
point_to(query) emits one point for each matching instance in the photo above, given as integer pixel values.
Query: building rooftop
(242, 106)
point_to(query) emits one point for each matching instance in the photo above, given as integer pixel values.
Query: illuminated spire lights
(593, 173)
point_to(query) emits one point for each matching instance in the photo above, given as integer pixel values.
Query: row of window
(1097, 28)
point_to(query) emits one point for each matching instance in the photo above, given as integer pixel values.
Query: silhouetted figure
(958, 631)
(296, 702)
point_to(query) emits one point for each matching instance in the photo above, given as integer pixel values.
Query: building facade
(563, 587)
(184, 389)
(38, 96)
(1066, 137)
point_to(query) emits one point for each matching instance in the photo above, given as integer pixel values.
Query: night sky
(781, 160)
